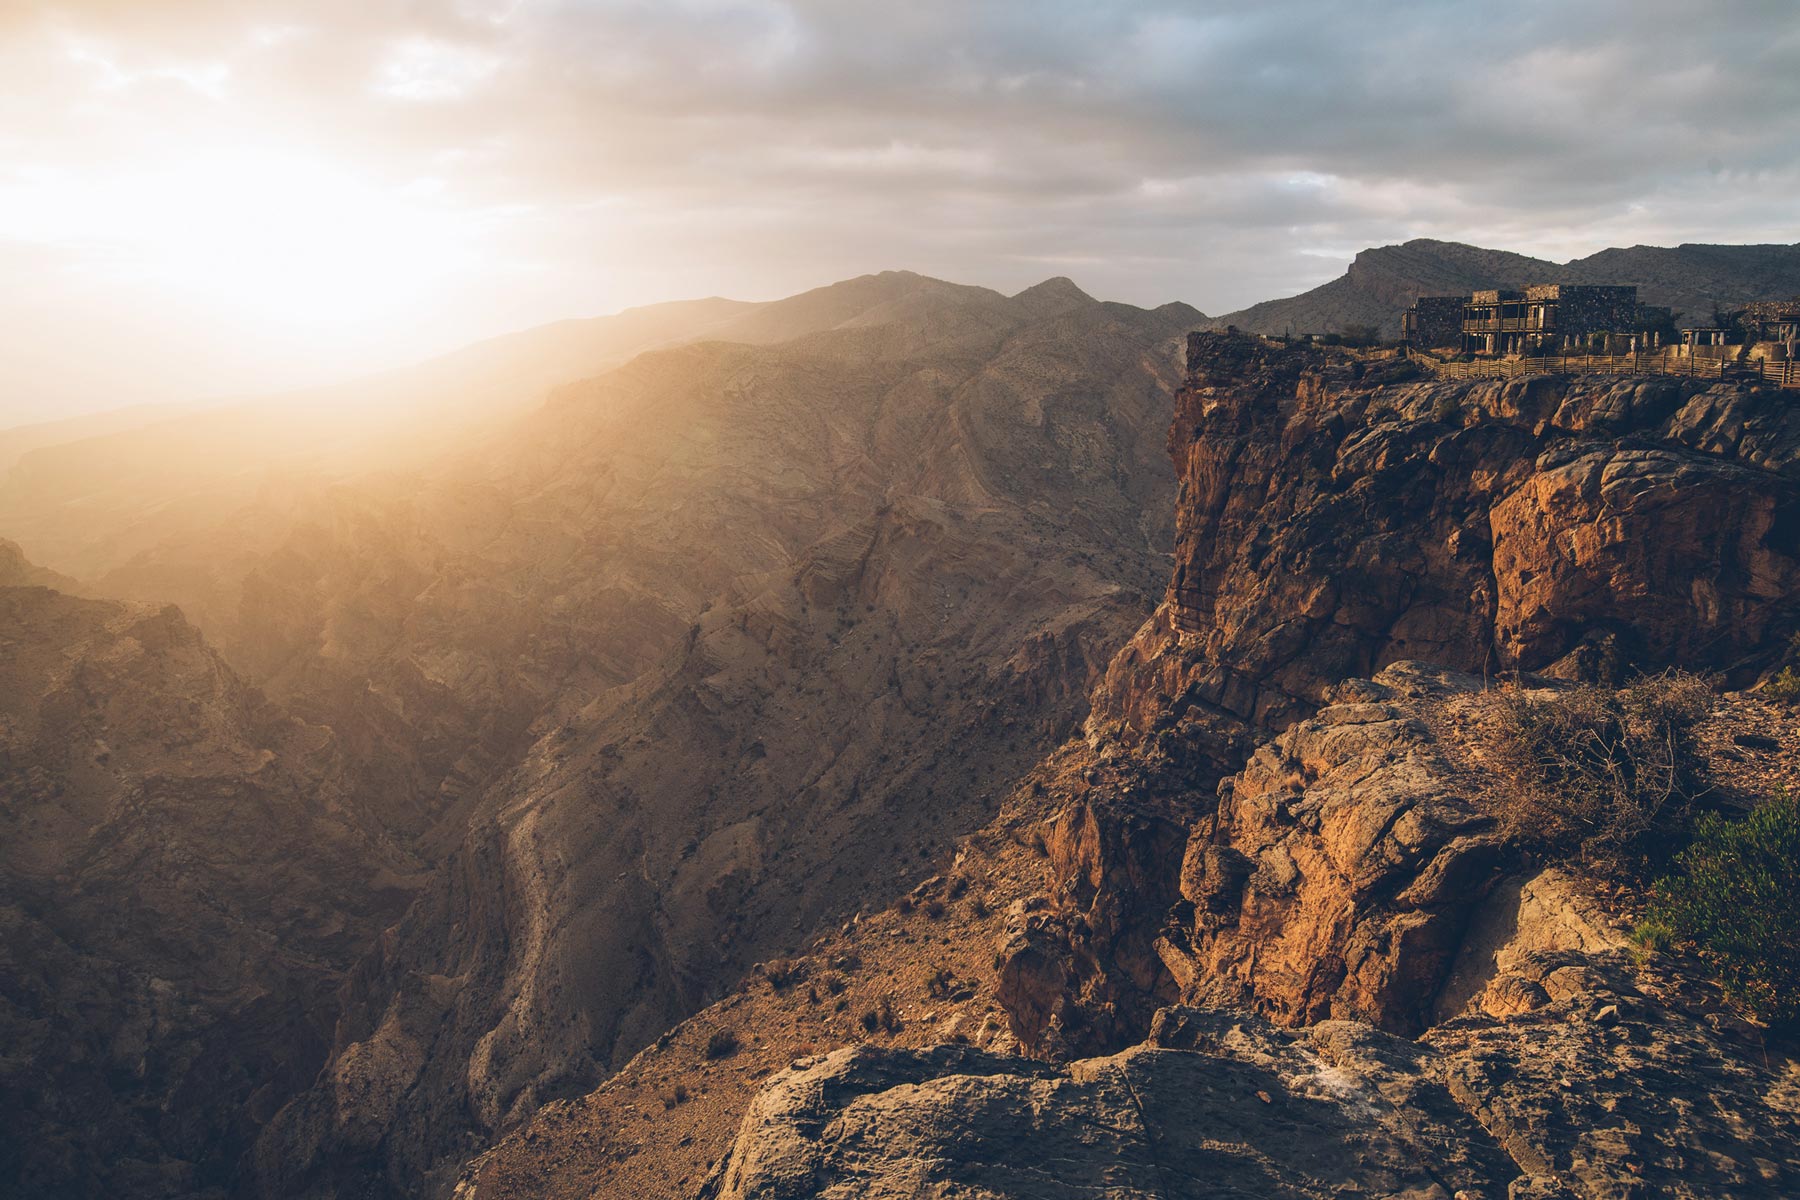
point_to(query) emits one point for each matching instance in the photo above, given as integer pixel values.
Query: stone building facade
(1543, 316)
(1433, 321)
(1771, 320)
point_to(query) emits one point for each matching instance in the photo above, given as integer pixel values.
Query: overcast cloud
(496, 163)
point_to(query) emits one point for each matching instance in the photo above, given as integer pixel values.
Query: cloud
(602, 152)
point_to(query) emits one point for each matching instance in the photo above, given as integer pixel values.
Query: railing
(1507, 325)
(1781, 374)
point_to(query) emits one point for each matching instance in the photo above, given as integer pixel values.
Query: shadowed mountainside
(828, 596)
(184, 880)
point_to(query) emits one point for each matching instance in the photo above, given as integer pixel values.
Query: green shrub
(1734, 898)
(1608, 777)
(1785, 687)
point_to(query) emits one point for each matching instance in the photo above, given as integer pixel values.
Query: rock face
(1333, 521)
(184, 880)
(1575, 1101)
(1337, 875)
(1347, 882)
(1251, 1114)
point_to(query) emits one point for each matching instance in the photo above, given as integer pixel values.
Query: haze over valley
(1049, 645)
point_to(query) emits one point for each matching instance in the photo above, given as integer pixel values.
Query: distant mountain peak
(1057, 294)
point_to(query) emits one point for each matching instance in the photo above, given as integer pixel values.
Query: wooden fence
(1780, 374)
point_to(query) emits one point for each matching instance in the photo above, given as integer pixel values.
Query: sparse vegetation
(1732, 899)
(781, 972)
(723, 1043)
(1608, 777)
(1785, 686)
(882, 1017)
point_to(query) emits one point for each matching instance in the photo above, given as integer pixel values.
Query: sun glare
(269, 236)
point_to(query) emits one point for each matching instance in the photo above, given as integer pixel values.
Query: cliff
(1337, 516)
(1263, 923)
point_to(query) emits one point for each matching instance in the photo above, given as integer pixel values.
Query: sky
(204, 198)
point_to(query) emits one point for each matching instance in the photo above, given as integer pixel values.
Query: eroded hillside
(185, 879)
(662, 674)
(693, 658)
(1273, 885)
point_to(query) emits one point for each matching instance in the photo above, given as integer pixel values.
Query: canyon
(879, 743)
(1259, 926)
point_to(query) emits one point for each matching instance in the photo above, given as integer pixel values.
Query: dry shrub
(882, 1016)
(781, 972)
(722, 1044)
(1606, 776)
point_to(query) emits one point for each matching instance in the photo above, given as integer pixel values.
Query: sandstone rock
(1338, 872)
(1546, 913)
(1331, 524)
(1151, 1122)
(1216, 1103)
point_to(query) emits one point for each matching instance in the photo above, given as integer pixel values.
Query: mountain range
(600, 683)
(998, 729)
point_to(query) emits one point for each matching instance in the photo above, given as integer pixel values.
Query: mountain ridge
(1381, 282)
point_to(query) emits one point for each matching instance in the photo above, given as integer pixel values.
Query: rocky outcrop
(1577, 1101)
(1350, 870)
(1347, 895)
(1336, 877)
(1251, 1114)
(184, 880)
(1335, 518)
